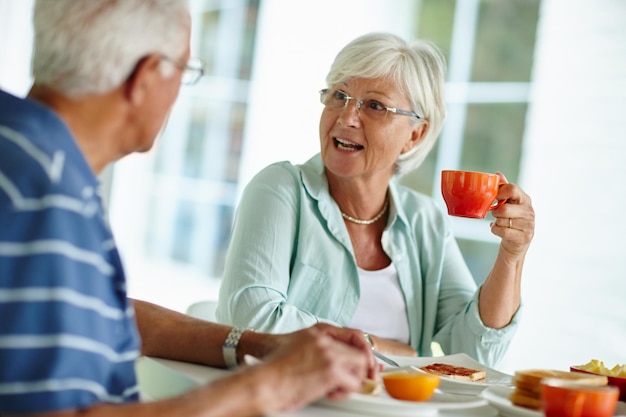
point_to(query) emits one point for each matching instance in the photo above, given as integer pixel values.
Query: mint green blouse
(290, 265)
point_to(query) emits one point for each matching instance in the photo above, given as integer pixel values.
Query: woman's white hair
(92, 46)
(417, 68)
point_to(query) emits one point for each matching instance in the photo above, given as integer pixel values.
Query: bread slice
(455, 372)
(533, 377)
(371, 387)
(522, 399)
(527, 382)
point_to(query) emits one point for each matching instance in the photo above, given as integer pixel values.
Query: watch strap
(229, 349)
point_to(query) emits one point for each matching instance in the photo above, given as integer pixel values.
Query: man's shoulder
(8, 100)
(32, 119)
(25, 167)
(37, 150)
(16, 111)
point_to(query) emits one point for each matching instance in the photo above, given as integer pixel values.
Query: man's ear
(142, 78)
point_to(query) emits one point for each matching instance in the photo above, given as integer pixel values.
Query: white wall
(15, 45)
(574, 168)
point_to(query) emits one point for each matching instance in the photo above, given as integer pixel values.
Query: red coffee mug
(470, 194)
(560, 398)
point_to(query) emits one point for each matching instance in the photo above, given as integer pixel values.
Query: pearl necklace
(370, 221)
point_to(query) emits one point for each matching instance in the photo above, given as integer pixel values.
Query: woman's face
(355, 144)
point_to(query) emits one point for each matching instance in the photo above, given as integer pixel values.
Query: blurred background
(535, 89)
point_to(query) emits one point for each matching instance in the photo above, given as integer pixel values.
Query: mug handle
(498, 203)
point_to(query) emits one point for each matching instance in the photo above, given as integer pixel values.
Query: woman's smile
(346, 145)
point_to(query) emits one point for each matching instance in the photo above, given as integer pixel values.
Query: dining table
(162, 378)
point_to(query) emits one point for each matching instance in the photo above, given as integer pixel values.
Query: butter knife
(386, 359)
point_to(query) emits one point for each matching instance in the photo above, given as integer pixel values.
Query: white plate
(384, 405)
(451, 385)
(484, 411)
(498, 397)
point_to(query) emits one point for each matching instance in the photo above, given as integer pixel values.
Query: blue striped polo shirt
(68, 337)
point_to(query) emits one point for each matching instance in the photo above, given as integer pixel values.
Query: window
(189, 180)
(195, 174)
(172, 209)
(189, 184)
(489, 46)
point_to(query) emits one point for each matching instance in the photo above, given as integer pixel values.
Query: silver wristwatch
(229, 349)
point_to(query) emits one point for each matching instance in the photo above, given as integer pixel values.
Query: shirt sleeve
(255, 288)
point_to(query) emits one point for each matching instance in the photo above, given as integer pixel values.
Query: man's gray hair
(92, 46)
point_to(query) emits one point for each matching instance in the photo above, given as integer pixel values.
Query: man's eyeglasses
(193, 70)
(374, 109)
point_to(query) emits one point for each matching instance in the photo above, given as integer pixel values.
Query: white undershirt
(381, 310)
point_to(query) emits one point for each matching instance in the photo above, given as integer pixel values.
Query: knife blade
(385, 359)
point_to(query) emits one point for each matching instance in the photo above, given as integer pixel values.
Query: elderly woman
(337, 240)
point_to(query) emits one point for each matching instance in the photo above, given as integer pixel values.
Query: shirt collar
(316, 185)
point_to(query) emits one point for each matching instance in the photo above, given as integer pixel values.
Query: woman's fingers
(515, 220)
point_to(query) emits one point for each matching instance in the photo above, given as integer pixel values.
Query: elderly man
(106, 73)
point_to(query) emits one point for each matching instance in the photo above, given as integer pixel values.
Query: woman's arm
(500, 295)
(482, 323)
(257, 277)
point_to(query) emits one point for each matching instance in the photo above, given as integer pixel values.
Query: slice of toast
(455, 372)
(371, 387)
(531, 378)
(527, 382)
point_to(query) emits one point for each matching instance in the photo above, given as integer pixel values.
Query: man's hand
(350, 337)
(322, 360)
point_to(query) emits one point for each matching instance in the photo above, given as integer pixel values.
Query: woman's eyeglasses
(374, 109)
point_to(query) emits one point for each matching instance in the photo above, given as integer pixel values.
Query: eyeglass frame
(194, 67)
(359, 101)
